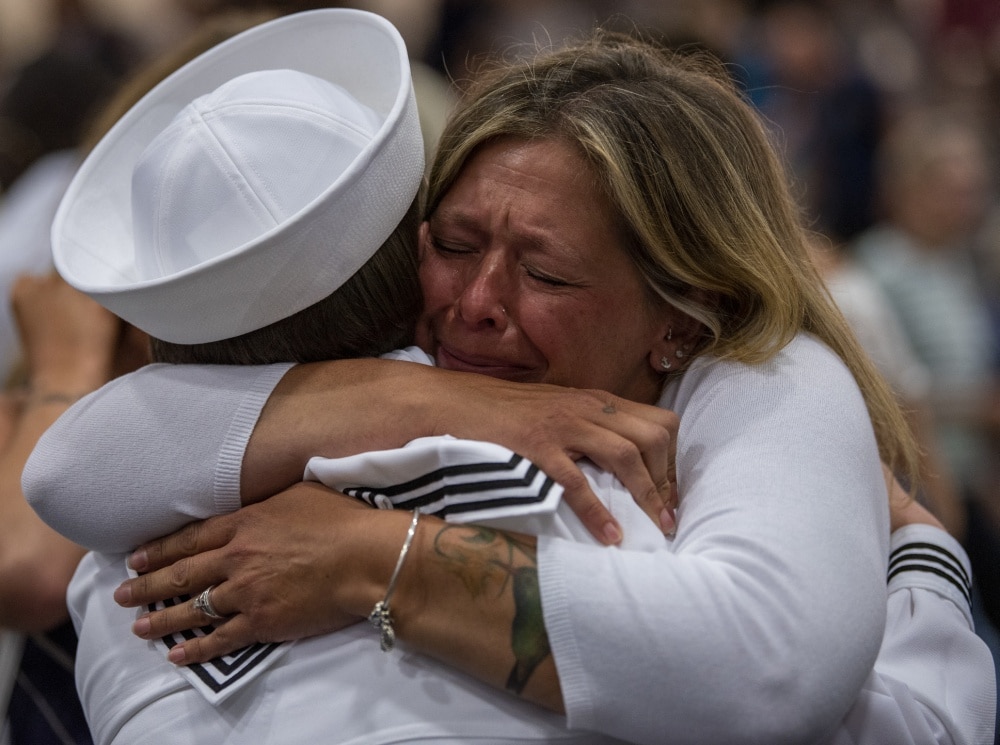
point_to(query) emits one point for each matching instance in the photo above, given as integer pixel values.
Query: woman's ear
(661, 356)
(672, 350)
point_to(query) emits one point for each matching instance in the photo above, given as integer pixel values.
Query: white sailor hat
(251, 183)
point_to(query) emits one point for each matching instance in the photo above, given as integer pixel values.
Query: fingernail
(176, 655)
(667, 522)
(123, 594)
(141, 627)
(612, 534)
(138, 560)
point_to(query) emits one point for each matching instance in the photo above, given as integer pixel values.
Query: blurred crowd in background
(886, 112)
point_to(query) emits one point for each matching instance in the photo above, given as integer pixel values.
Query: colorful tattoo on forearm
(482, 557)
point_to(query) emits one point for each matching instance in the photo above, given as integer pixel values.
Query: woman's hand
(310, 561)
(399, 401)
(281, 570)
(554, 426)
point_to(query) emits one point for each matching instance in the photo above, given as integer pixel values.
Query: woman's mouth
(450, 358)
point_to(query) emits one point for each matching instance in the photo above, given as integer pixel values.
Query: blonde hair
(703, 200)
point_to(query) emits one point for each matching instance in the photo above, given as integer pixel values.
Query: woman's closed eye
(547, 279)
(457, 249)
(446, 248)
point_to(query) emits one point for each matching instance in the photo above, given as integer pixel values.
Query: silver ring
(204, 603)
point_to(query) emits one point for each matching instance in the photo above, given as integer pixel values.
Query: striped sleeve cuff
(926, 557)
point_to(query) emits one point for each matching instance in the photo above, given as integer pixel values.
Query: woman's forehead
(544, 180)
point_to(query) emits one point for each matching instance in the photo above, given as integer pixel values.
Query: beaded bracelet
(380, 617)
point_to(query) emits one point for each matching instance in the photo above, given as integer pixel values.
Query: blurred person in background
(880, 332)
(826, 114)
(934, 182)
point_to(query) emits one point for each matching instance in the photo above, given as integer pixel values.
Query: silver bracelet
(380, 617)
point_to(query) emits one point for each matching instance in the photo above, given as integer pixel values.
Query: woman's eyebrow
(455, 218)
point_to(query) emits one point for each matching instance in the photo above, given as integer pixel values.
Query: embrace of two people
(606, 244)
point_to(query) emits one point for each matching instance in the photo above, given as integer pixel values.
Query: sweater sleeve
(103, 475)
(765, 619)
(933, 680)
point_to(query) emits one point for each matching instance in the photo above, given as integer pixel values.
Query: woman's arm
(551, 425)
(243, 433)
(455, 578)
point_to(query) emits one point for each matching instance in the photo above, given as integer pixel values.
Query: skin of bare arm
(551, 425)
(69, 346)
(489, 575)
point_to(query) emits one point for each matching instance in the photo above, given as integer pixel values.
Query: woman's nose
(484, 296)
